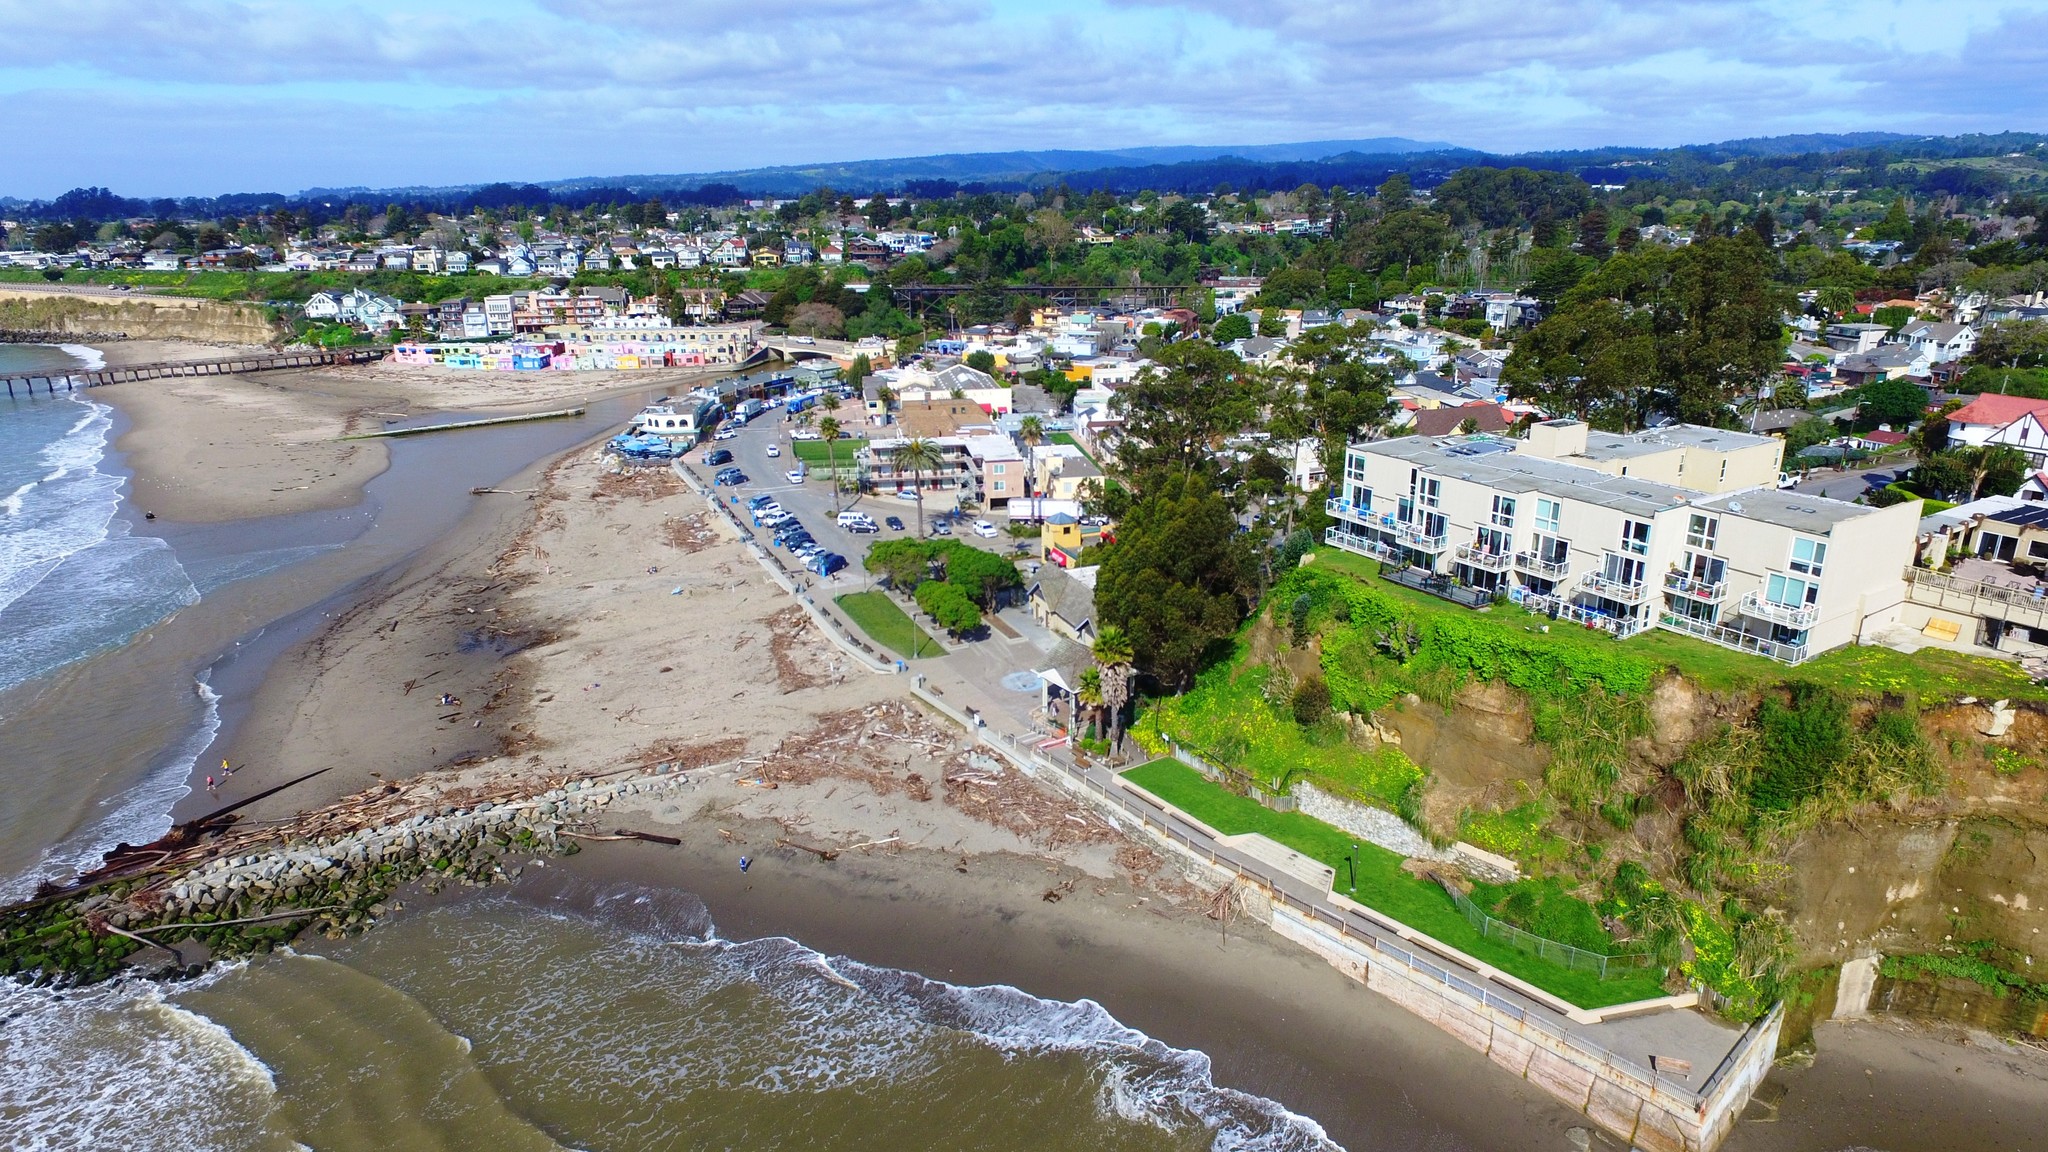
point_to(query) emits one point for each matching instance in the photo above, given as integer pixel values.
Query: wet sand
(1277, 1021)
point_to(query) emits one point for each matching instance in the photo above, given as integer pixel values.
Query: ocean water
(567, 1016)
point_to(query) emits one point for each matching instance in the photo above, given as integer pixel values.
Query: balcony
(1734, 638)
(1597, 585)
(1414, 536)
(1800, 616)
(1535, 565)
(1346, 510)
(1679, 584)
(1560, 608)
(1442, 587)
(1472, 556)
(1361, 544)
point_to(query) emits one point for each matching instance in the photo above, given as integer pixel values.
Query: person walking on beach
(211, 788)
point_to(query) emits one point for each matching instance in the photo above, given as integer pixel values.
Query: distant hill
(867, 176)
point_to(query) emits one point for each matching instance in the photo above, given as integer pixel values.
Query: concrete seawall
(1653, 1108)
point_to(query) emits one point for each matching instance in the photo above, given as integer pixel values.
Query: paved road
(1854, 482)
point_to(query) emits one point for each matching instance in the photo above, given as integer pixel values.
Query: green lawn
(1066, 438)
(1932, 674)
(1382, 885)
(813, 452)
(886, 624)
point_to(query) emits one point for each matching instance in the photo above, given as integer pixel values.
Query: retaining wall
(1654, 1113)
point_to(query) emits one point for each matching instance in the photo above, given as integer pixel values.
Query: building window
(1504, 511)
(1000, 468)
(1547, 512)
(1701, 530)
(1808, 556)
(1428, 491)
(1790, 593)
(1361, 498)
(1635, 537)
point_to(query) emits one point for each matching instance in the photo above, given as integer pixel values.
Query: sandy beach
(212, 449)
(579, 622)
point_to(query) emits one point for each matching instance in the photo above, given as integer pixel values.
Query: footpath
(1630, 1069)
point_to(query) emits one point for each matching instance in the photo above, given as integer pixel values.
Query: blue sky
(177, 97)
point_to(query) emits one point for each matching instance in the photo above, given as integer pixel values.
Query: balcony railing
(1620, 627)
(1346, 510)
(1474, 556)
(1621, 593)
(1531, 563)
(1361, 544)
(1415, 537)
(1705, 592)
(1734, 638)
(1754, 605)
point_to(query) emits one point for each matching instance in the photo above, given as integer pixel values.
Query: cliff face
(28, 309)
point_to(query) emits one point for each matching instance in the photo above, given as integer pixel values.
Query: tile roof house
(1445, 420)
(1063, 601)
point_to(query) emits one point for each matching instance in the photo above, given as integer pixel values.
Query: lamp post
(1353, 859)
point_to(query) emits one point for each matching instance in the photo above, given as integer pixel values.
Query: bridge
(53, 382)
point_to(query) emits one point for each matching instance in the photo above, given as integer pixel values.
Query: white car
(774, 450)
(806, 434)
(805, 340)
(909, 494)
(726, 433)
(796, 475)
(984, 528)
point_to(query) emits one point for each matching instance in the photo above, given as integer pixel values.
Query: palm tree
(919, 454)
(1114, 656)
(1089, 693)
(1032, 432)
(829, 429)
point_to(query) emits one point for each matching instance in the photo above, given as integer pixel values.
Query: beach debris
(820, 853)
(1058, 892)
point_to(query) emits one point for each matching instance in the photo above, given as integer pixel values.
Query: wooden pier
(52, 383)
(481, 422)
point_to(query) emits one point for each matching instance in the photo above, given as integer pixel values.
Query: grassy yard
(813, 452)
(886, 624)
(1933, 675)
(1381, 883)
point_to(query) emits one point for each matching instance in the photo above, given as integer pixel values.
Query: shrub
(1802, 743)
(1311, 703)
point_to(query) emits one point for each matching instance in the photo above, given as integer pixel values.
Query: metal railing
(1442, 587)
(1564, 955)
(1790, 615)
(1413, 536)
(1620, 627)
(2027, 603)
(1548, 569)
(1621, 593)
(1704, 591)
(1346, 510)
(1363, 545)
(1477, 557)
(1734, 638)
(1356, 927)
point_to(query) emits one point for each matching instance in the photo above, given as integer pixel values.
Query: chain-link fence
(1577, 959)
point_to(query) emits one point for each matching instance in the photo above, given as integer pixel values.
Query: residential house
(1065, 537)
(498, 312)
(1444, 420)
(956, 475)
(1992, 418)
(1855, 337)
(323, 306)
(456, 262)
(1063, 601)
(1940, 343)
(939, 416)
(1889, 362)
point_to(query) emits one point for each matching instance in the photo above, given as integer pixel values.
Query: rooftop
(1493, 461)
(1628, 445)
(1789, 509)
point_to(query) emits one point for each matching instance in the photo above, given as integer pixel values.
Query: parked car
(826, 563)
(774, 450)
(806, 434)
(727, 432)
(796, 474)
(718, 456)
(985, 529)
(942, 527)
(906, 494)
(895, 523)
(756, 503)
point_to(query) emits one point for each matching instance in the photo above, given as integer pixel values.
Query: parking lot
(811, 501)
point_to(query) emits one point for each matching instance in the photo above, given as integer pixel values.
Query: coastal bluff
(138, 316)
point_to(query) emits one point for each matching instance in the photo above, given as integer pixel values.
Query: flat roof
(1492, 461)
(1802, 513)
(1628, 445)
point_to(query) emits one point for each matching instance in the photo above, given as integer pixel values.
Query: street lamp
(1354, 868)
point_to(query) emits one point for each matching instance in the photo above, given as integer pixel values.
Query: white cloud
(469, 90)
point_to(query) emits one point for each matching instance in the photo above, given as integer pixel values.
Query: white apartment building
(1585, 527)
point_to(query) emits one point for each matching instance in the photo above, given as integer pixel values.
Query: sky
(199, 97)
